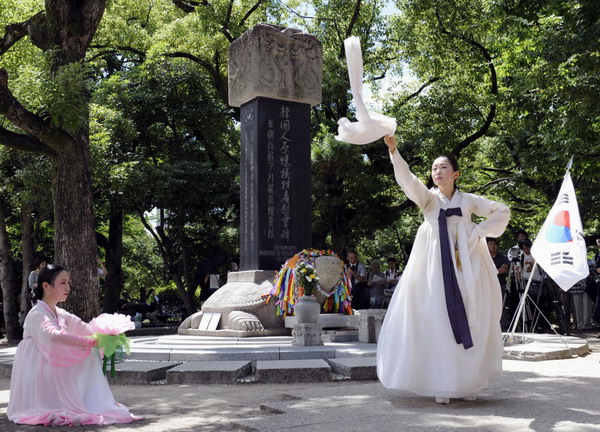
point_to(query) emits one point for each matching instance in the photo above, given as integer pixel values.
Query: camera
(515, 253)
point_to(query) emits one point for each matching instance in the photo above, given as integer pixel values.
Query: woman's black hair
(451, 159)
(521, 231)
(47, 274)
(38, 260)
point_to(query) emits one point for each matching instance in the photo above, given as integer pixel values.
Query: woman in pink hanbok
(441, 335)
(57, 374)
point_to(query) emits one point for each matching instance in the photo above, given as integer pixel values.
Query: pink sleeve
(58, 345)
(75, 325)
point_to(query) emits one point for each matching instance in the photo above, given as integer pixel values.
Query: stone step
(355, 368)
(292, 371)
(138, 373)
(209, 372)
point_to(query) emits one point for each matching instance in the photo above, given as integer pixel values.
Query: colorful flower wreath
(287, 289)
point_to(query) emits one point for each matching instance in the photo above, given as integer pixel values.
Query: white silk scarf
(370, 126)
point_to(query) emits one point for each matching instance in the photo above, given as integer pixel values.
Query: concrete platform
(181, 359)
(539, 347)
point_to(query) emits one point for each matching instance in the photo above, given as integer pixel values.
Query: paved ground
(554, 395)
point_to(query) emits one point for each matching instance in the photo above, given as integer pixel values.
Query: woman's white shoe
(442, 400)
(470, 397)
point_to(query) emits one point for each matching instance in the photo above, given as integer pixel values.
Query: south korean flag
(560, 247)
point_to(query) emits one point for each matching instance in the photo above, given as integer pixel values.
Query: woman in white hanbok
(441, 335)
(57, 376)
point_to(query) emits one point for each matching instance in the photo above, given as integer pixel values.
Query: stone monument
(275, 76)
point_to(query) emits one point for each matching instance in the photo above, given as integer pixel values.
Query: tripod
(525, 311)
(524, 306)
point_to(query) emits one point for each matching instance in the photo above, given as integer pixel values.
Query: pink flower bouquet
(109, 332)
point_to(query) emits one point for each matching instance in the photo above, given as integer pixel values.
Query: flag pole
(523, 299)
(569, 165)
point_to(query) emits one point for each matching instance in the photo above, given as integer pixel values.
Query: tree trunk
(64, 31)
(113, 284)
(189, 286)
(8, 284)
(75, 237)
(339, 221)
(28, 251)
(188, 299)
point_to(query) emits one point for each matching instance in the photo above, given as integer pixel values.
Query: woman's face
(442, 172)
(59, 290)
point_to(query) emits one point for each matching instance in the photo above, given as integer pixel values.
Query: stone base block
(307, 334)
(5, 369)
(328, 321)
(340, 336)
(357, 368)
(138, 372)
(209, 372)
(292, 371)
(250, 276)
(369, 324)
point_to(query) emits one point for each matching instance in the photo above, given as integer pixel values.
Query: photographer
(515, 251)
(502, 265)
(537, 290)
(357, 273)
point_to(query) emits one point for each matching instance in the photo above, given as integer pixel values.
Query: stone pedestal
(369, 324)
(328, 321)
(307, 334)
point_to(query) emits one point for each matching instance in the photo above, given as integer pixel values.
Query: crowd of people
(371, 286)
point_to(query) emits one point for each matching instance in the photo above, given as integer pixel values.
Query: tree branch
(493, 86)
(24, 142)
(213, 71)
(154, 234)
(418, 92)
(35, 27)
(188, 6)
(114, 50)
(250, 12)
(353, 20)
(24, 119)
(490, 183)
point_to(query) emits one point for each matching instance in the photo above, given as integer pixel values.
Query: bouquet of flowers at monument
(300, 275)
(307, 278)
(109, 332)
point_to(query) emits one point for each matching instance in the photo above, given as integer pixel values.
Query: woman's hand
(390, 141)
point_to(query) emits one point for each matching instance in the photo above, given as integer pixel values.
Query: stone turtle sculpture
(248, 305)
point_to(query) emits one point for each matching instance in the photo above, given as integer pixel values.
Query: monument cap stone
(275, 62)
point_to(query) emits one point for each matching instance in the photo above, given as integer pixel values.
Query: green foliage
(64, 95)
(142, 266)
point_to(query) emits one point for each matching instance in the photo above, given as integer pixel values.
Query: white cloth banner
(560, 247)
(370, 126)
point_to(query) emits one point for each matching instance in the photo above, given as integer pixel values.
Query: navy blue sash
(454, 302)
